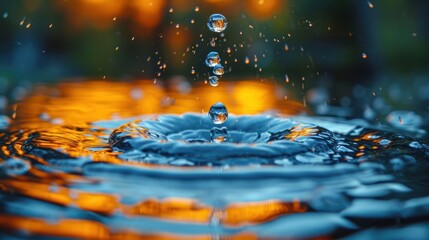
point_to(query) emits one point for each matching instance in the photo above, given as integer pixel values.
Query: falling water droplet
(246, 60)
(218, 70)
(364, 56)
(213, 59)
(370, 5)
(286, 78)
(219, 135)
(217, 23)
(218, 113)
(286, 47)
(214, 81)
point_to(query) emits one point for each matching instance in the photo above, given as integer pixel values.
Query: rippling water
(99, 160)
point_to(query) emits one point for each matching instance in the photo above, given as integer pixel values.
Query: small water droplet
(214, 81)
(217, 23)
(218, 113)
(197, 9)
(170, 10)
(193, 71)
(213, 59)
(218, 70)
(286, 78)
(219, 135)
(364, 56)
(286, 47)
(370, 5)
(246, 60)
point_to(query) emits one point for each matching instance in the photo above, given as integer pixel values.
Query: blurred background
(351, 58)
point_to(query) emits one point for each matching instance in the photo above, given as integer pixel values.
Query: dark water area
(135, 160)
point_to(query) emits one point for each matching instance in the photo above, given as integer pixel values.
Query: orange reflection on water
(173, 209)
(62, 114)
(300, 131)
(260, 212)
(61, 118)
(79, 228)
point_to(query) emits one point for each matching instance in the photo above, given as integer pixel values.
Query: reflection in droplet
(218, 113)
(214, 81)
(219, 135)
(218, 70)
(217, 23)
(213, 59)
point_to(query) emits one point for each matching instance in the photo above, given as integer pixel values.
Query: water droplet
(219, 135)
(364, 56)
(218, 113)
(193, 71)
(213, 59)
(214, 81)
(286, 78)
(246, 60)
(370, 5)
(218, 70)
(197, 9)
(217, 23)
(286, 47)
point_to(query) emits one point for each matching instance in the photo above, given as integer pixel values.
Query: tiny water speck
(218, 70)
(217, 23)
(214, 81)
(219, 135)
(213, 59)
(218, 113)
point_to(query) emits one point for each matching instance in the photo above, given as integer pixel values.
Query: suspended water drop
(218, 113)
(364, 56)
(217, 23)
(213, 59)
(246, 60)
(370, 5)
(218, 70)
(286, 47)
(214, 81)
(197, 9)
(219, 135)
(286, 78)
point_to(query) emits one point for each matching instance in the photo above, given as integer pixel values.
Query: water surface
(140, 163)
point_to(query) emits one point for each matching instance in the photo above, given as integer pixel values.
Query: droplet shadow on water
(133, 163)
